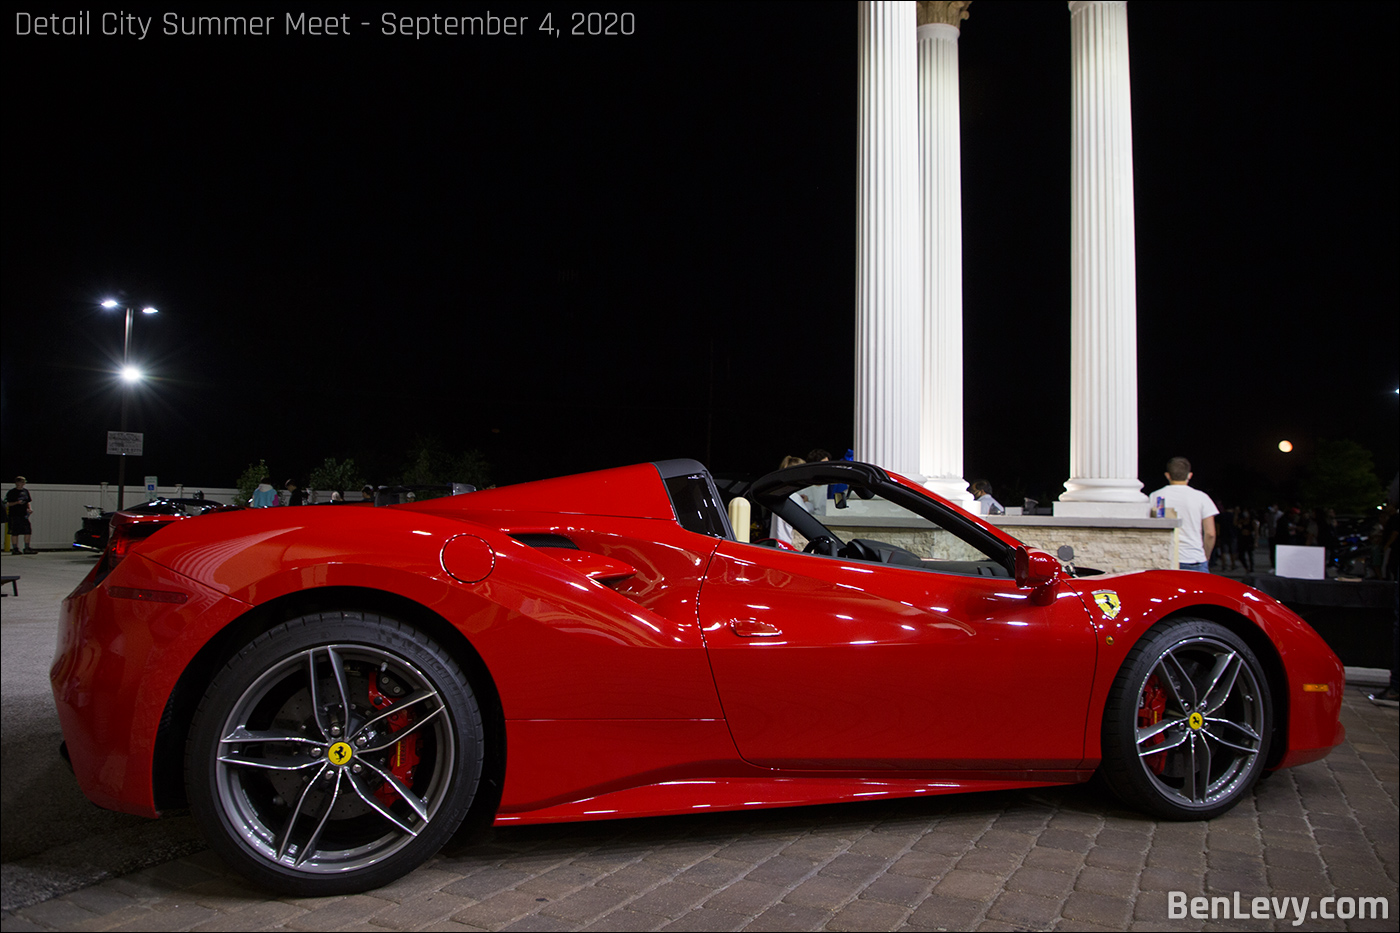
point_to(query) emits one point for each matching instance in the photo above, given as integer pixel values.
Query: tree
(431, 464)
(336, 476)
(1342, 475)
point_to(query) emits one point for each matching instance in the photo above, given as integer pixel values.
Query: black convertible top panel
(695, 498)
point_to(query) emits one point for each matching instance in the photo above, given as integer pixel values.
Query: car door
(824, 662)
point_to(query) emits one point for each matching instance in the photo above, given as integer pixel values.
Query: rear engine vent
(545, 540)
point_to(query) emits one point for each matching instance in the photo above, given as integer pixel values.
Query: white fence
(59, 508)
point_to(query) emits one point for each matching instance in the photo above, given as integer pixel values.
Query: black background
(577, 252)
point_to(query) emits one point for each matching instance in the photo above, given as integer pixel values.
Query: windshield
(877, 517)
(893, 526)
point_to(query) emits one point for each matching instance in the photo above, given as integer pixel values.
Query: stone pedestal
(1088, 508)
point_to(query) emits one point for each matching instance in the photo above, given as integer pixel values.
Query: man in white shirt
(1196, 511)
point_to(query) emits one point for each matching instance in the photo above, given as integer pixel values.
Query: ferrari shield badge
(1107, 600)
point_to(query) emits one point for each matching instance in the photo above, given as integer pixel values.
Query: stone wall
(1108, 544)
(926, 542)
(1108, 549)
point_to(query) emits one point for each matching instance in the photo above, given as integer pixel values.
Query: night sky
(576, 252)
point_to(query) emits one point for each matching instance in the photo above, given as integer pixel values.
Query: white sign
(125, 442)
(150, 484)
(1301, 563)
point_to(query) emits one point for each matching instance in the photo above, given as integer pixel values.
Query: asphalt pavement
(1056, 859)
(51, 839)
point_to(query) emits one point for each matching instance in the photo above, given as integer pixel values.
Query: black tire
(306, 798)
(1209, 745)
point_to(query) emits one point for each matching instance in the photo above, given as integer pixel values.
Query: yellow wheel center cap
(339, 753)
(1195, 721)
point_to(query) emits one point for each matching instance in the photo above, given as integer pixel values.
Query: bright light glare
(148, 310)
(109, 303)
(1285, 446)
(131, 374)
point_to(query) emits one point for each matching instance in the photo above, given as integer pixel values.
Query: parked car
(331, 691)
(96, 530)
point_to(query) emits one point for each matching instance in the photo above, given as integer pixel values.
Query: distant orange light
(1285, 446)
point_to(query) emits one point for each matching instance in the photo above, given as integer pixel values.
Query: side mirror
(1035, 568)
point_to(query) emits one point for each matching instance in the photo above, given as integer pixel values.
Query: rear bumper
(115, 666)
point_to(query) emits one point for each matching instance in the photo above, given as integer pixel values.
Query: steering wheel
(822, 544)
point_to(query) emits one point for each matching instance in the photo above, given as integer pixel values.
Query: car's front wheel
(334, 753)
(1186, 728)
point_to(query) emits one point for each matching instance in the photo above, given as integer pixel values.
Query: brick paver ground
(1059, 859)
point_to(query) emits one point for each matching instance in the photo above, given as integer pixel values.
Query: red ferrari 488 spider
(332, 690)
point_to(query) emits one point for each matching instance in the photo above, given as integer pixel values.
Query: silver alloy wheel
(1207, 743)
(306, 772)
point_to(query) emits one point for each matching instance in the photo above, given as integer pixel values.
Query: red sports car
(332, 690)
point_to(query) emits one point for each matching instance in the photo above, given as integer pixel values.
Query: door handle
(752, 628)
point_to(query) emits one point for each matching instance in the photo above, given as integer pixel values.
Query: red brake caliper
(403, 758)
(1153, 708)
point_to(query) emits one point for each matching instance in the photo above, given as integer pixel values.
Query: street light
(130, 374)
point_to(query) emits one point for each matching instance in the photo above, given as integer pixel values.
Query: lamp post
(129, 374)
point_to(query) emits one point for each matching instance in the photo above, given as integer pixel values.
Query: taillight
(127, 534)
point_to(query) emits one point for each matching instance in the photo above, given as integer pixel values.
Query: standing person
(265, 497)
(1292, 528)
(780, 529)
(1269, 528)
(1327, 536)
(1245, 527)
(298, 495)
(18, 507)
(1226, 529)
(1196, 511)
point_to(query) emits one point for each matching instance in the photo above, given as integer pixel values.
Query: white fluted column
(940, 201)
(1103, 290)
(887, 273)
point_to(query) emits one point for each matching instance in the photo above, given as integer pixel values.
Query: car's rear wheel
(334, 753)
(1186, 728)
